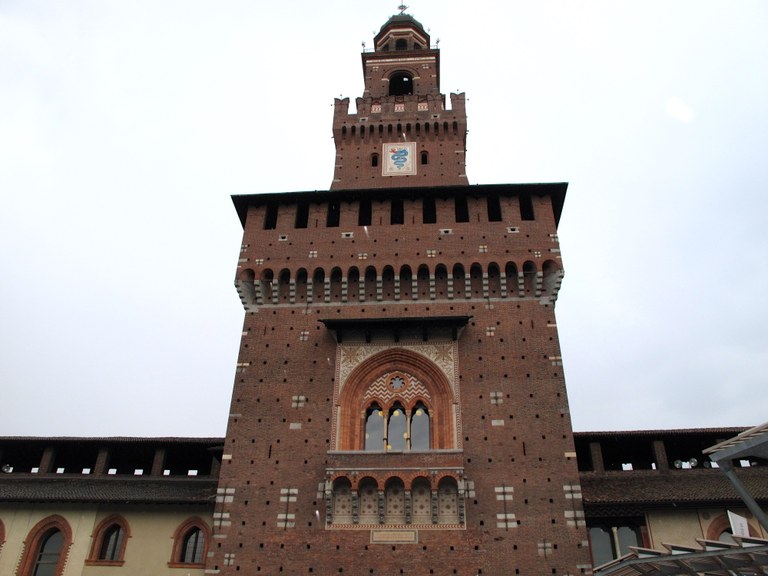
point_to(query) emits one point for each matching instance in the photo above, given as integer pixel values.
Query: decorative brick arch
(178, 542)
(721, 523)
(34, 539)
(353, 403)
(97, 540)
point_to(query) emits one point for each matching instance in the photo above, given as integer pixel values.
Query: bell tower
(403, 134)
(399, 405)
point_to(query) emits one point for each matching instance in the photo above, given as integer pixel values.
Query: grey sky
(125, 126)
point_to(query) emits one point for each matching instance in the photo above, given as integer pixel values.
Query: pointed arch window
(420, 428)
(190, 544)
(374, 428)
(397, 429)
(109, 542)
(46, 548)
(49, 553)
(192, 547)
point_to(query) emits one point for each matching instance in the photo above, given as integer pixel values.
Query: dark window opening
(47, 558)
(494, 209)
(401, 44)
(462, 209)
(429, 211)
(364, 215)
(192, 547)
(374, 428)
(374, 160)
(270, 218)
(424, 158)
(397, 215)
(332, 220)
(526, 207)
(302, 215)
(111, 543)
(397, 429)
(420, 428)
(416, 46)
(400, 84)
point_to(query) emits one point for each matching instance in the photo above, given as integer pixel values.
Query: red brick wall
(509, 346)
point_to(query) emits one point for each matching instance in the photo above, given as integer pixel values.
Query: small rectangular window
(397, 215)
(462, 209)
(334, 210)
(302, 215)
(526, 207)
(494, 209)
(270, 218)
(364, 215)
(429, 212)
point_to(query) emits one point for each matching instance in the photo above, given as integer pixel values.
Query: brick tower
(399, 405)
(402, 126)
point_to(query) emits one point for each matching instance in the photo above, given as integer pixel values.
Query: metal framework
(749, 557)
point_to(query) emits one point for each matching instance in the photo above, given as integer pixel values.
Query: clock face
(398, 159)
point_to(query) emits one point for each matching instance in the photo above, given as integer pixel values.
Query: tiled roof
(133, 490)
(729, 431)
(673, 488)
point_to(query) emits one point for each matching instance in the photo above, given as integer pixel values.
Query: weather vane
(402, 8)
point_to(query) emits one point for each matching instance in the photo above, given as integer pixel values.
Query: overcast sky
(126, 125)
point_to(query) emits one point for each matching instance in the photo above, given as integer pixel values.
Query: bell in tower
(403, 134)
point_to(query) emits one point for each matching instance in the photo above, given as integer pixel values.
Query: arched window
(394, 501)
(49, 553)
(368, 492)
(420, 428)
(409, 408)
(601, 544)
(400, 84)
(397, 429)
(192, 547)
(611, 542)
(448, 501)
(190, 543)
(374, 159)
(46, 547)
(421, 501)
(424, 158)
(342, 501)
(374, 428)
(109, 542)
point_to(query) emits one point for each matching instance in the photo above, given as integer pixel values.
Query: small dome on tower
(401, 32)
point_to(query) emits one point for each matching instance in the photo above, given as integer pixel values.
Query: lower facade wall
(148, 550)
(683, 527)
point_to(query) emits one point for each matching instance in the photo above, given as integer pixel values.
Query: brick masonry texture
(486, 255)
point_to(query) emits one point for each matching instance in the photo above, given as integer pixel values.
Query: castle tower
(403, 134)
(399, 405)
